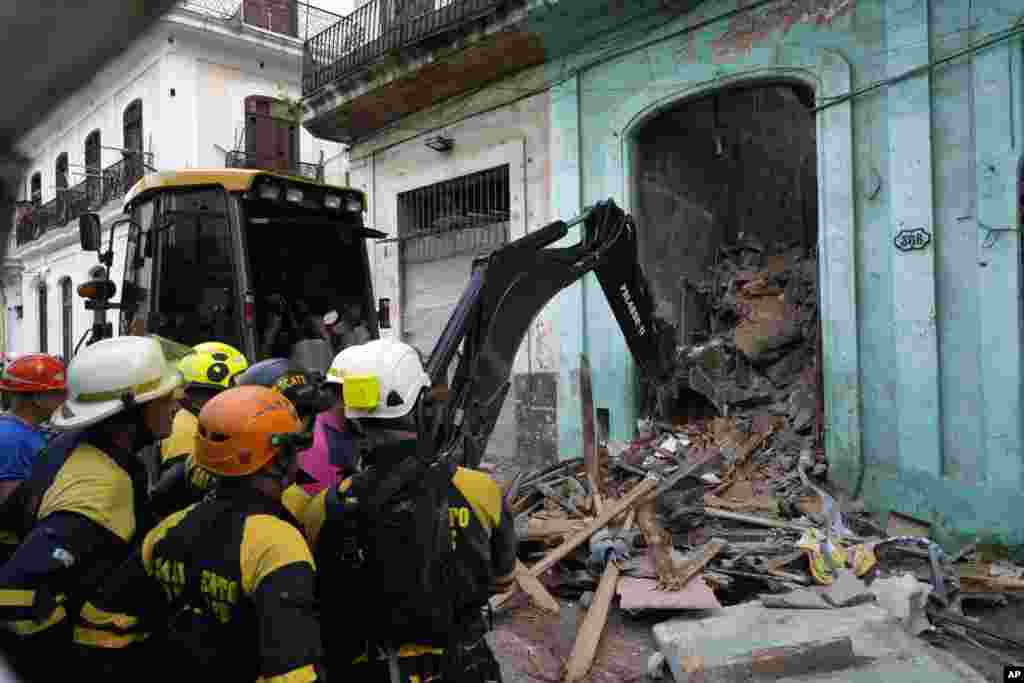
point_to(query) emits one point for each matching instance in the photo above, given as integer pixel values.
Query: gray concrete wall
(504, 129)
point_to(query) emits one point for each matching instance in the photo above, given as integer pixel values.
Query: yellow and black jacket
(181, 482)
(484, 540)
(82, 507)
(255, 577)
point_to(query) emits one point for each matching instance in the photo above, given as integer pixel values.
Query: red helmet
(34, 373)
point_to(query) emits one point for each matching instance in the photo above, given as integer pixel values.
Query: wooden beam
(591, 463)
(589, 635)
(707, 553)
(611, 511)
(532, 586)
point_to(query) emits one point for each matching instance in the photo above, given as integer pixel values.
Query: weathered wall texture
(398, 160)
(922, 348)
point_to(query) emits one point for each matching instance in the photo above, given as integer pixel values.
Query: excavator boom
(507, 289)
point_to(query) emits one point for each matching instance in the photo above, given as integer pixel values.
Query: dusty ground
(532, 645)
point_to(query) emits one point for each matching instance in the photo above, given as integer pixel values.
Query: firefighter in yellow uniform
(86, 497)
(383, 383)
(225, 586)
(207, 372)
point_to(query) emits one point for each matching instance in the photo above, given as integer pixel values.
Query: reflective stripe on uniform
(17, 597)
(28, 627)
(419, 650)
(96, 637)
(95, 616)
(305, 674)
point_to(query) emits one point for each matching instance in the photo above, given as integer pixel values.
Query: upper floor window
(36, 188)
(61, 172)
(271, 135)
(279, 16)
(93, 166)
(133, 143)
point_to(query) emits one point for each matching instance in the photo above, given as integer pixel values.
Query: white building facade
(214, 84)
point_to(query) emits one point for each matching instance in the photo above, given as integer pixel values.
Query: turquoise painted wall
(922, 349)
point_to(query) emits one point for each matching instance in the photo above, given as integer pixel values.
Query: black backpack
(405, 545)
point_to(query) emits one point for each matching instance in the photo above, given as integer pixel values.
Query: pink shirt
(327, 432)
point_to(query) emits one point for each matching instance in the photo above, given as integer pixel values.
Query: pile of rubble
(758, 364)
(727, 511)
(665, 526)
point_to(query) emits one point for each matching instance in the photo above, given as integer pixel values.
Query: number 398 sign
(912, 240)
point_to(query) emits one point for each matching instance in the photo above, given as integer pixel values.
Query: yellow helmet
(213, 365)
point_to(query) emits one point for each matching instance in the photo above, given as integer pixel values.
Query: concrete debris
(905, 599)
(656, 666)
(749, 642)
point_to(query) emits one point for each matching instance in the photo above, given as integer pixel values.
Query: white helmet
(380, 379)
(104, 372)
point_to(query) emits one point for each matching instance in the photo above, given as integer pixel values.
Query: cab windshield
(184, 264)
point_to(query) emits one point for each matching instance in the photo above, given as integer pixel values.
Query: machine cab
(248, 258)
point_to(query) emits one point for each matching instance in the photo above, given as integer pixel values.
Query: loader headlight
(271, 191)
(332, 201)
(354, 204)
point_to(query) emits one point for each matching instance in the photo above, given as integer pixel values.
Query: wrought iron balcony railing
(287, 17)
(298, 169)
(99, 188)
(379, 27)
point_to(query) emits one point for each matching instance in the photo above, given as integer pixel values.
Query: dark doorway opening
(726, 200)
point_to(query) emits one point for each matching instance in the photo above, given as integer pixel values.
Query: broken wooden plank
(707, 553)
(990, 584)
(612, 510)
(589, 635)
(546, 529)
(532, 586)
(590, 461)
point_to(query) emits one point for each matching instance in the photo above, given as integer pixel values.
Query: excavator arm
(507, 289)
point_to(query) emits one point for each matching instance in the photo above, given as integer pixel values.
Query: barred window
(471, 201)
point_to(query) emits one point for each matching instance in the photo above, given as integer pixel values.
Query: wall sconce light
(440, 143)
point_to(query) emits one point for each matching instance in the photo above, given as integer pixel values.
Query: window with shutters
(133, 167)
(93, 168)
(271, 137)
(61, 179)
(66, 310)
(36, 188)
(42, 317)
(279, 16)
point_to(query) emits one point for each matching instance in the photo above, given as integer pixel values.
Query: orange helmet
(237, 430)
(36, 372)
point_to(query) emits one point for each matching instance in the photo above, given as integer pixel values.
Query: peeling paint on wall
(749, 28)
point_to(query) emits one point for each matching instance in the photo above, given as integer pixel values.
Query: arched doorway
(725, 186)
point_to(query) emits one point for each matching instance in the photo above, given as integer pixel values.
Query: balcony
(298, 169)
(390, 58)
(285, 17)
(108, 185)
